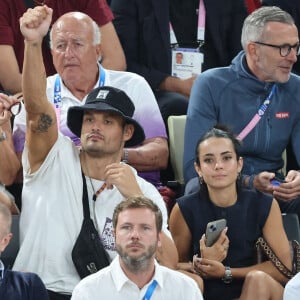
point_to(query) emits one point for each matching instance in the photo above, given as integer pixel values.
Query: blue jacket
(232, 96)
(22, 286)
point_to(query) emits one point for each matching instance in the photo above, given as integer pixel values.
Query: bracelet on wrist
(125, 157)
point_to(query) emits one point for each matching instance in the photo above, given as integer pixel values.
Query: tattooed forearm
(44, 123)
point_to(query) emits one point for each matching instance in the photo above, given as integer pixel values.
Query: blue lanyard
(150, 290)
(264, 106)
(1, 270)
(57, 86)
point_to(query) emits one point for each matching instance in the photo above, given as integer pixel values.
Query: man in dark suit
(143, 29)
(144, 32)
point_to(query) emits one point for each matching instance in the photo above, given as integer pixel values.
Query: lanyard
(57, 86)
(57, 94)
(150, 290)
(261, 111)
(1, 270)
(200, 28)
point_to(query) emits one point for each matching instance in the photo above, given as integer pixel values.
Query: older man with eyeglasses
(259, 98)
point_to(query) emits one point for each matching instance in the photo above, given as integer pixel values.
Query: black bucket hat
(107, 98)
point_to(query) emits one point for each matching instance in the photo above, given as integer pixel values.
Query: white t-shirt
(112, 283)
(52, 215)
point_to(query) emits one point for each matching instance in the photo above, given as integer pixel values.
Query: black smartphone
(213, 231)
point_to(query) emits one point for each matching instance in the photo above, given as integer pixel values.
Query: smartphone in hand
(213, 231)
(277, 181)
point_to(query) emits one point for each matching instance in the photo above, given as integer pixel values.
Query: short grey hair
(255, 23)
(96, 34)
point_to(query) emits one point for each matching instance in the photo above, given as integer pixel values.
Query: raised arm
(41, 132)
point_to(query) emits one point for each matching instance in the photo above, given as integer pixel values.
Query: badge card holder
(186, 62)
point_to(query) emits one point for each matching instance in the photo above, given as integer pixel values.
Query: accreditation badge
(186, 62)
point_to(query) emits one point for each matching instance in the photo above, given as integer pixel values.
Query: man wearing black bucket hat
(76, 48)
(52, 211)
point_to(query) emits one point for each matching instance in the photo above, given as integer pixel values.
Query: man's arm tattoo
(44, 123)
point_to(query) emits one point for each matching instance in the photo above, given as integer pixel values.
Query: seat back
(291, 226)
(176, 127)
(10, 253)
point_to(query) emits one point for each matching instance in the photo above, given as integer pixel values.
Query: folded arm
(152, 155)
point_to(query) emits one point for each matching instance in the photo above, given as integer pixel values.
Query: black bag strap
(85, 199)
(29, 3)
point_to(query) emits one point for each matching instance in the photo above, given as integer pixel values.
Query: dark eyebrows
(222, 153)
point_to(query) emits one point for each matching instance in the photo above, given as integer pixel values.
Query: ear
(99, 52)
(128, 132)
(159, 239)
(240, 164)
(253, 51)
(198, 169)
(5, 241)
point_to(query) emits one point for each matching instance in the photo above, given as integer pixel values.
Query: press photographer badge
(186, 62)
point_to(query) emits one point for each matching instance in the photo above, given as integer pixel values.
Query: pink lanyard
(261, 111)
(201, 25)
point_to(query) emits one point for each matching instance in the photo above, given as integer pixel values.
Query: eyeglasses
(15, 108)
(284, 50)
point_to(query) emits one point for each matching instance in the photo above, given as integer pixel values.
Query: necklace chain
(102, 187)
(99, 191)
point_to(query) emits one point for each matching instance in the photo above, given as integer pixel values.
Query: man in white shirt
(52, 210)
(134, 273)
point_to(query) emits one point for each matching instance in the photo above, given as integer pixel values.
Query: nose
(135, 234)
(69, 51)
(219, 164)
(292, 56)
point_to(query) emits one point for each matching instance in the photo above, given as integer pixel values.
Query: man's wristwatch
(227, 276)
(2, 136)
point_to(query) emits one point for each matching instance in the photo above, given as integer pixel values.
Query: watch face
(228, 276)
